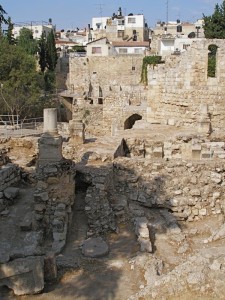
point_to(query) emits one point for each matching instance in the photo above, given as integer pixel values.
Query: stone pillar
(50, 143)
(50, 120)
(204, 123)
(76, 129)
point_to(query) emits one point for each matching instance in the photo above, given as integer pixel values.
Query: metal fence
(12, 126)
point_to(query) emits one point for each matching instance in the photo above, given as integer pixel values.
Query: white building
(174, 45)
(99, 23)
(118, 27)
(102, 47)
(35, 27)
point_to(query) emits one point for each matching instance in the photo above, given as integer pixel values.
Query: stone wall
(9, 173)
(183, 147)
(112, 83)
(54, 196)
(4, 159)
(174, 94)
(177, 88)
(190, 190)
(130, 188)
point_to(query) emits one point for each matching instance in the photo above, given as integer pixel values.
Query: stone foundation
(54, 196)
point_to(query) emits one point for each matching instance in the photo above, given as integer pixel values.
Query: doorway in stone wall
(129, 123)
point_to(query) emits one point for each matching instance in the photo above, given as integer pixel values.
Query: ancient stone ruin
(132, 189)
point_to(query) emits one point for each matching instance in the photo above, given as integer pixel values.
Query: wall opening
(129, 123)
(100, 101)
(212, 60)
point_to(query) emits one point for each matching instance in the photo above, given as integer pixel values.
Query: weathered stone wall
(9, 173)
(91, 116)
(190, 190)
(101, 217)
(4, 159)
(54, 196)
(174, 94)
(130, 188)
(182, 147)
(112, 81)
(178, 87)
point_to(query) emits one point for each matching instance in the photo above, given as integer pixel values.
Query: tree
(10, 36)
(2, 18)
(48, 60)
(214, 25)
(27, 42)
(21, 85)
(42, 52)
(51, 52)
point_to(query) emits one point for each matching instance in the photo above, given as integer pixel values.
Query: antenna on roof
(100, 5)
(167, 11)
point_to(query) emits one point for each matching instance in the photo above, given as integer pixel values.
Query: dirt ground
(115, 276)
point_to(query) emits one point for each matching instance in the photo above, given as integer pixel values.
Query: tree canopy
(27, 42)
(214, 25)
(21, 84)
(2, 18)
(25, 87)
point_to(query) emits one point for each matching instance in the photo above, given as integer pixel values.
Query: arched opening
(129, 123)
(212, 60)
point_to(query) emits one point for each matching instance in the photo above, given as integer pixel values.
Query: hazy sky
(69, 14)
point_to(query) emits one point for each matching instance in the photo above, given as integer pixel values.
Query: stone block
(50, 268)
(23, 275)
(95, 247)
(146, 245)
(11, 192)
(196, 151)
(203, 212)
(50, 149)
(158, 152)
(171, 122)
(26, 224)
(206, 154)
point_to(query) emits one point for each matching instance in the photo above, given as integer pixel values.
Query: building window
(98, 25)
(131, 20)
(185, 46)
(123, 51)
(120, 33)
(96, 50)
(138, 51)
(120, 22)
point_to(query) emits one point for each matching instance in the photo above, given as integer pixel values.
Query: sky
(70, 14)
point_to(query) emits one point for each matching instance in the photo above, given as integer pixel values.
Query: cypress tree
(42, 48)
(51, 52)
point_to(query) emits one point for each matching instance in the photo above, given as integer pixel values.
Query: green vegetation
(21, 85)
(78, 49)
(149, 60)
(26, 88)
(27, 42)
(212, 61)
(214, 25)
(2, 18)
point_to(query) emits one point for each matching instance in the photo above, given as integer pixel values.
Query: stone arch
(129, 122)
(212, 60)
